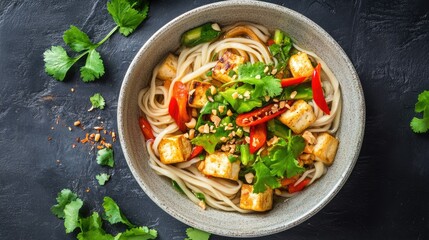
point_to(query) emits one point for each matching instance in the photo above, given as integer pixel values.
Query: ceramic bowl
(285, 214)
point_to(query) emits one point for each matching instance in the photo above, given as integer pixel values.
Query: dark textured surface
(386, 196)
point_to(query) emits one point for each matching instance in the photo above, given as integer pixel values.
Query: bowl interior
(285, 214)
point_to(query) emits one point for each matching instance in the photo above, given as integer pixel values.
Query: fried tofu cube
(227, 63)
(325, 148)
(259, 202)
(168, 69)
(174, 149)
(218, 165)
(197, 94)
(300, 65)
(299, 117)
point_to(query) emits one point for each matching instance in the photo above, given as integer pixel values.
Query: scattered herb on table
(127, 14)
(102, 178)
(105, 157)
(421, 125)
(68, 207)
(196, 234)
(97, 101)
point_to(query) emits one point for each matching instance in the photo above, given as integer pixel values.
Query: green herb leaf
(196, 234)
(127, 14)
(264, 178)
(77, 40)
(138, 233)
(94, 234)
(105, 157)
(210, 140)
(241, 105)
(90, 223)
(283, 157)
(102, 178)
(97, 101)
(64, 197)
(71, 215)
(93, 68)
(265, 85)
(113, 214)
(57, 62)
(421, 125)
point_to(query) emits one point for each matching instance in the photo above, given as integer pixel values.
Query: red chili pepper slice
(258, 137)
(270, 42)
(258, 116)
(178, 107)
(286, 82)
(316, 85)
(146, 129)
(299, 187)
(288, 181)
(197, 150)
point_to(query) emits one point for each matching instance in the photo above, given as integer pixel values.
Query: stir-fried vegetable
(146, 129)
(316, 85)
(204, 33)
(260, 115)
(178, 108)
(258, 136)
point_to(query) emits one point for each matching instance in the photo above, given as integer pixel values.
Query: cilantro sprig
(421, 125)
(68, 207)
(127, 14)
(196, 234)
(280, 162)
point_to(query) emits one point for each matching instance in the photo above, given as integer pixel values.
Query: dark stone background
(386, 196)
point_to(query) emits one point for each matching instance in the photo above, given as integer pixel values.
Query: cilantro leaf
(93, 68)
(64, 197)
(141, 233)
(210, 140)
(265, 85)
(283, 157)
(127, 14)
(241, 105)
(196, 234)
(57, 62)
(92, 222)
(264, 178)
(421, 125)
(105, 157)
(102, 178)
(71, 215)
(77, 40)
(94, 234)
(97, 101)
(113, 214)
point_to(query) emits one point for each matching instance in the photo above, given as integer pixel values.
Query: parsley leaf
(97, 101)
(71, 215)
(77, 40)
(141, 233)
(264, 178)
(105, 157)
(196, 234)
(102, 178)
(209, 141)
(64, 197)
(57, 62)
(93, 68)
(126, 14)
(92, 222)
(421, 125)
(113, 214)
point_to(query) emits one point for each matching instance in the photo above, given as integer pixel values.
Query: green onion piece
(246, 156)
(204, 33)
(278, 36)
(177, 187)
(278, 128)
